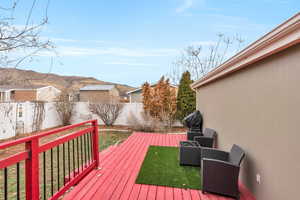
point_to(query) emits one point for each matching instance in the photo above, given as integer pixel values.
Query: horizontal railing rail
(50, 169)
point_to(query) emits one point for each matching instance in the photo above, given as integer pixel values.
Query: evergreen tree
(146, 88)
(186, 97)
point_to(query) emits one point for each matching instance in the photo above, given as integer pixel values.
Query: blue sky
(134, 41)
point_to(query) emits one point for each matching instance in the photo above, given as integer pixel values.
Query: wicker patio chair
(220, 170)
(190, 151)
(207, 139)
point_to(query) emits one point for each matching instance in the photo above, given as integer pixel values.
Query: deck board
(119, 169)
(110, 170)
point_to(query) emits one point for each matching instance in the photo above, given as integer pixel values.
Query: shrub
(65, 108)
(146, 123)
(108, 112)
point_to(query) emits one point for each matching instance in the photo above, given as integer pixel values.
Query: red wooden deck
(119, 169)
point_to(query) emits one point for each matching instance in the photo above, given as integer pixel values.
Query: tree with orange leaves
(160, 101)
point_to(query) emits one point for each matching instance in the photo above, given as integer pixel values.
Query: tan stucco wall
(258, 108)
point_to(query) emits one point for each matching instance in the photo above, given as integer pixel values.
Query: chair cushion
(236, 155)
(192, 134)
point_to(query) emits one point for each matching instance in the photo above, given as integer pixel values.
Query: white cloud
(278, 1)
(98, 41)
(186, 4)
(63, 40)
(69, 40)
(128, 63)
(112, 51)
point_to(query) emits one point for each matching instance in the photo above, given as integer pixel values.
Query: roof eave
(138, 89)
(133, 91)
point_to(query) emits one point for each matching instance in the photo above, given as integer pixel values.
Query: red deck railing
(72, 156)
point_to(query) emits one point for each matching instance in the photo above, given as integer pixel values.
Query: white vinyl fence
(20, 118)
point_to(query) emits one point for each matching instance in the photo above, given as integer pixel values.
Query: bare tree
(108, 112)
(7, 116)
(65, 108)
(199, 61)
(19, 42)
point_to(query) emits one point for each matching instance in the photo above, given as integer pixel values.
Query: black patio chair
(190, 151)
(220, 170)
(207, 139)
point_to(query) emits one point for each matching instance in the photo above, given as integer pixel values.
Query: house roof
(97, 87)
(283, 36)
(139, 89)
(4, 88)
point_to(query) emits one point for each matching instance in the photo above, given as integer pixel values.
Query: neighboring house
(136, 96)
(124, 98)
(253, 100)
(99, 93)
(10, 93)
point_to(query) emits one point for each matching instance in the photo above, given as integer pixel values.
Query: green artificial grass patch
(161, 167)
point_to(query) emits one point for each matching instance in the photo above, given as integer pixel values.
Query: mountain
(12, 76)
